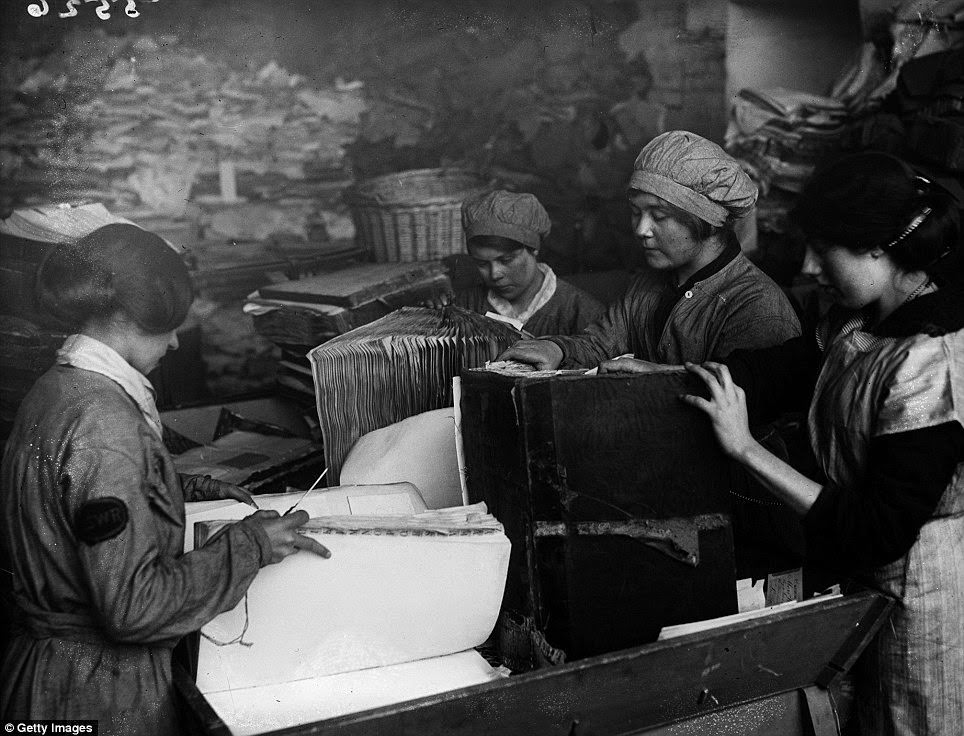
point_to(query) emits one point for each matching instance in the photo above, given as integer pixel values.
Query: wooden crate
(614, 495)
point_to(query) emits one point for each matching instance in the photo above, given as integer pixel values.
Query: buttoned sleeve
(605, 338)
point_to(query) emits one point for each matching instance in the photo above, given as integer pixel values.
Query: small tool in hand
(313, 486)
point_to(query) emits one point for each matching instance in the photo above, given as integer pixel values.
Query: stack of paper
(392, 615)
(152, 124)
(388, 499)
(396, 367)
(782, 134)
(312, 310)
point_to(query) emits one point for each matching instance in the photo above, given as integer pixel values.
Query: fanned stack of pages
(392, 615)
(396, 367)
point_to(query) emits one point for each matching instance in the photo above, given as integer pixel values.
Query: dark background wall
(524, 91)
(554, 98)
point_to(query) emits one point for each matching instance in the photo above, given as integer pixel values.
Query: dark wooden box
(614, 494)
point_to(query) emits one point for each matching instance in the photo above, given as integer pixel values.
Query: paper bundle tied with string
(393, 614)
(398, 587)
(396, 367)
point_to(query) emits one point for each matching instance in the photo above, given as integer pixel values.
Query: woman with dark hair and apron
(885, 371)
(92, 509)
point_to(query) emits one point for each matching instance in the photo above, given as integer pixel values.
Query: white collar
(90, 354)
(542, 296)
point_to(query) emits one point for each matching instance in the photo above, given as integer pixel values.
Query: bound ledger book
(393, 614)
(396, 367)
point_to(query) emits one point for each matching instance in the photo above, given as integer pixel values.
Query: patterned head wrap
(519, 217)
(694, 174)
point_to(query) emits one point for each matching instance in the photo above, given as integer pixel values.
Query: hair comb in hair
(911, 227)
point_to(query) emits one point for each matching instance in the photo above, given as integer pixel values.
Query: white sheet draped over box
(420, 450)
(397, 598)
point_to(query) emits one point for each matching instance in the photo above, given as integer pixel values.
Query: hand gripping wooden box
(614, 494)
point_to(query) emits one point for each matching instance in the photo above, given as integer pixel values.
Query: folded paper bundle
(392, 615)
(394, 368)
(388, 499)
(396, 589)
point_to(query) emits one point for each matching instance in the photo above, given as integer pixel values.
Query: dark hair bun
(117, 267)
(867, 200)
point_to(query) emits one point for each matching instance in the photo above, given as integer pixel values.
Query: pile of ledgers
(301, 314)
(781, 135)
(394, 614)
(155, 124)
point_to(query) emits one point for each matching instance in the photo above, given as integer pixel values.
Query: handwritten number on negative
(102, 10)
(41, 8)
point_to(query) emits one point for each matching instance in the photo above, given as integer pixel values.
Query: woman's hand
(439, 301)
(544, 355)
(283, 533)
(206, 488)
(635, 365)
(726, 408)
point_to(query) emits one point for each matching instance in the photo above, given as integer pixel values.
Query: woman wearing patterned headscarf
(92, 510)
(701, 297)
(884, 380)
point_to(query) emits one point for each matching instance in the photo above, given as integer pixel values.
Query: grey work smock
(92, 528)
(733, 308)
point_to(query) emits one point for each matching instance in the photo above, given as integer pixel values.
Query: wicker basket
(413, 215)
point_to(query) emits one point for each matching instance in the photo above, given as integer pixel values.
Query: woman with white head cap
(504, 231)
(701, 297)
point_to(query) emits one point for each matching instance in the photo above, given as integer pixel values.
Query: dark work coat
(92, 528)
(568, 311)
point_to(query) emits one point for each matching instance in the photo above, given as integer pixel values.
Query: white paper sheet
(381, 599)
(270, 707)
(668, 632)
(420, 449)
(399, 499)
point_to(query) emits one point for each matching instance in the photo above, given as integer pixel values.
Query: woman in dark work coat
(503, 233)
(92, 509)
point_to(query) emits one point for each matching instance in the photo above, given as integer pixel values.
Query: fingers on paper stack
(415, 579)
